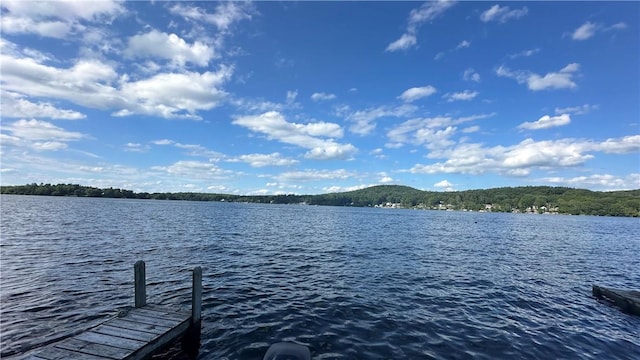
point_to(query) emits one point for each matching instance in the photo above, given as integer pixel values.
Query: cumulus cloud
(364, 120)
(502, 14)
(262, 160)
(194, 170)
(95, 84)
(562, 79)
(416, 93)
(464, 95)
(433, 132)
(38, 135)
(624, 145)
(56, 19)
(546, 122)
(603, 182)
(322, 96)
(15, 105)
(524, 157)
(225, 15)
(314, 175)
(170, 47)
(444, 185)
(175, 95)
(427, 12)
(317, 137)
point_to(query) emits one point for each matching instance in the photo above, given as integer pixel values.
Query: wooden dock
(136, 334)
(627, 300)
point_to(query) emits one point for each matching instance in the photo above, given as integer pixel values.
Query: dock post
(191, 340)
(140, 280)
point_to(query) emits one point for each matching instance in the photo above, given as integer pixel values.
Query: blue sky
(316, 97)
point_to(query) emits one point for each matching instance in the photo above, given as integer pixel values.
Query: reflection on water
(346, 282)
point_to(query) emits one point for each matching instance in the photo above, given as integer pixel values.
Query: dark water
(350, 283)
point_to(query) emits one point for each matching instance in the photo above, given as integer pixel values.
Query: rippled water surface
(350, 283)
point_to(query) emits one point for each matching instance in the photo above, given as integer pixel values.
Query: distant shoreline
(524, 199)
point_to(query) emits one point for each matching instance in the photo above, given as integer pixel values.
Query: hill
(529, 199)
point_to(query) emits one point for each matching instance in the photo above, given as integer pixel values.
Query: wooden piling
(140, 280)
(191, 340)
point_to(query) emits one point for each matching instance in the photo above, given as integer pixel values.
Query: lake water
(349, 283)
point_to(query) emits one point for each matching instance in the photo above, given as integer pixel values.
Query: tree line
(562, 200)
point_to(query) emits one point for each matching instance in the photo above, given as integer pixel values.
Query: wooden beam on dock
(627, 300)
(137, 334)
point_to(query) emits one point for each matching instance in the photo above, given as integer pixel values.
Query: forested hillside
(531, 199)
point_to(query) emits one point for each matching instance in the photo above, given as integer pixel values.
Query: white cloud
(546, 122)
(589, 29)
(364, 120)
(170, 47)
(308, 136)
(464, 95)
(522, 158)
(291, 97)
(322, 96)
(624, 145)
(41, 130)
(225, 15)
(175, 95)
(15, 105)
(38, 135)
(471, 129)
(444, 185)
(502, 14)
(524, 53)
(427, 12)
(463, 44)
(192, 149)
(603, 182)
(585, 31)
(190, 169)
(578, 110)
(471, 75)
(94, 84)
(136, 147)
(314, 175)
(57, 19)
(262, 160)
(553, 80)
(405, 41)
(434, 133)
(416, 93)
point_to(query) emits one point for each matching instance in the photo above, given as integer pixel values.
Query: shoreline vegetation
(524, 199)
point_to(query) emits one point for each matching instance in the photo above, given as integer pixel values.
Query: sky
(315, 97)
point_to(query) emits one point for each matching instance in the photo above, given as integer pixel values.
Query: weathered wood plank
(159, 314)
(53, 353)
(137, 326)
(161, 341)
(110, 340)
(169, 323)
(86, 347)
(107, 329)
